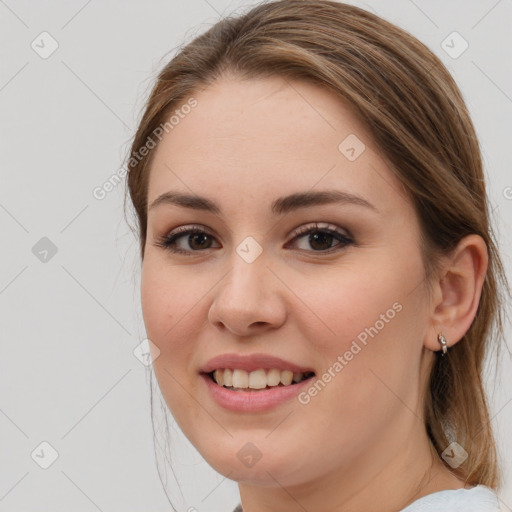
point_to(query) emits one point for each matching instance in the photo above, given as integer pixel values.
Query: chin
(243, 462)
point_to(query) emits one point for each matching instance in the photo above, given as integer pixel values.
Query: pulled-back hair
(413, 109)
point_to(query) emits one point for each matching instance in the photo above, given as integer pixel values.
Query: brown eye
(321, 239)
(186, 240)
(199, 239)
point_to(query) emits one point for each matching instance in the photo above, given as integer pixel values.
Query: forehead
(256, 139)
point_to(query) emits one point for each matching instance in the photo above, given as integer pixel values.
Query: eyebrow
(280, 206)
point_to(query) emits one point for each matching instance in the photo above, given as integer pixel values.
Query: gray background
(69, 324)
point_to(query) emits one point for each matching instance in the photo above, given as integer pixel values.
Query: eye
(319, 238)
(198, 239)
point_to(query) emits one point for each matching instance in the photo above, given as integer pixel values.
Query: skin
(360, 444)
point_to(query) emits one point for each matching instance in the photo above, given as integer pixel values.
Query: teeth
(218, 375)
(286, 377)
(273, 377)
(258, 379)
(240, 379)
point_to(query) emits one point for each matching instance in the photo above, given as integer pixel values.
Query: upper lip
(251, 363)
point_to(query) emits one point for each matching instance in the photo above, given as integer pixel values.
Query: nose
(248, 299)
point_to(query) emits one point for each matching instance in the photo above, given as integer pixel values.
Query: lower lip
(253, 401)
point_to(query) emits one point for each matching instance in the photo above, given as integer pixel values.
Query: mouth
(261, 379)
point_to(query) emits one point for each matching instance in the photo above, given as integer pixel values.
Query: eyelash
(168, 242)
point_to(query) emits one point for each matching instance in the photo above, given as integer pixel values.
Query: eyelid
(177, 233)
(305, 228)
(346, 238)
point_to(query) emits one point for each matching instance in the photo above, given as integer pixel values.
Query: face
(331, 284)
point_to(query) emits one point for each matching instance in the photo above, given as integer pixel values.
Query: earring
(444, 346)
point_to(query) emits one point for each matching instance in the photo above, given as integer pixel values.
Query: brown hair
(416, 114)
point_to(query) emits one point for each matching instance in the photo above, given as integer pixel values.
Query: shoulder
(477, 499)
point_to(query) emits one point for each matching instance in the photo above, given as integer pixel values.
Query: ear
(457, 291)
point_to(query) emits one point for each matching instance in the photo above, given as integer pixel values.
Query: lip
(253, 401)
(251, 362)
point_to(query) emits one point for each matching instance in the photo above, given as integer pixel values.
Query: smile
(254, 399)
(238, 379)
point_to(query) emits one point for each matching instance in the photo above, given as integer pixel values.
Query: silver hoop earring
(444, 345)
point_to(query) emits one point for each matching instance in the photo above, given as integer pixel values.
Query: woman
(320, 280)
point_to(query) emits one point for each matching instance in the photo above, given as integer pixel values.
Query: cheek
(367, 326)
(168, 314)
(165, 308)
(344, 306)
(164, 296)
(174, 308)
